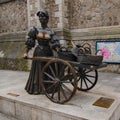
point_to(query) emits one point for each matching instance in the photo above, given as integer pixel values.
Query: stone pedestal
(16, 102)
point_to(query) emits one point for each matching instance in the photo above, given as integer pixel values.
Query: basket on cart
(84, 55)
(90, 59)
(67, 55)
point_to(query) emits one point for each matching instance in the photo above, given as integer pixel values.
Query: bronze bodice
(43, 35)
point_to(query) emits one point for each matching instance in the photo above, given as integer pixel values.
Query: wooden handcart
(61, 78)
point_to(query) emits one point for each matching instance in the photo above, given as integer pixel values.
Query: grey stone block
(41, 115)
(23, 112)
(7, 107)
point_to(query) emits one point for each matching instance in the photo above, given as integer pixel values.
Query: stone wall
(13, 17)
(94, 13)
(77, 20)
(64, 14)
(53, 8)
(13, 27)
(11, 54)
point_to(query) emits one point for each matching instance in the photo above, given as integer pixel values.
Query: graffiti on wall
(110, 50)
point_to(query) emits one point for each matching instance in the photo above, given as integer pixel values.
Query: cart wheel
(57, 86)
(86, 79)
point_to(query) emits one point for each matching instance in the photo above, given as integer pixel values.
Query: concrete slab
(5, 117)
(39, 107)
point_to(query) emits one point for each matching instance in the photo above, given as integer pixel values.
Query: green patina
(4, 1)
(11, 54)
(13, 64)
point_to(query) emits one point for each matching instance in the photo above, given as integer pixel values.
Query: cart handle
(41, 58)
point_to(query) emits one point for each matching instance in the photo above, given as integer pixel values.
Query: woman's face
(43, 19)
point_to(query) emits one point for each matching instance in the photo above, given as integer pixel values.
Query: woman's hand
(25, 56)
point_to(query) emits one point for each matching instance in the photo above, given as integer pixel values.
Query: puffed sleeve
(30, 40)
(55, 41)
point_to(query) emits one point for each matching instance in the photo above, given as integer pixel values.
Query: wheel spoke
(85, 83)
(48, 81)
(63, 92)
(66, 88)
(90, 76)
(56, 68)
(78, 79)
(51, 69)
(53, 92)
(67, 77)
(59, 94)
(50, 86)
(88, 80)
(62, 70)
(87, 71)
(49, 75)
(81, 82)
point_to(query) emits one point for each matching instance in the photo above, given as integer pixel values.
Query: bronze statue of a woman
(44, 36)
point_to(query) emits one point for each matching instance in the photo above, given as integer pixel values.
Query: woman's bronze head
(43, 14)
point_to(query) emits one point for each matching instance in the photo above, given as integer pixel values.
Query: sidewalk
(33, 107)
(5, 117)
(11, 76)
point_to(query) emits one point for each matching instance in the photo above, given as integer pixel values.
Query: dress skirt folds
(34, 85)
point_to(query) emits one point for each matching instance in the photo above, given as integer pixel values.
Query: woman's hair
(42, 13)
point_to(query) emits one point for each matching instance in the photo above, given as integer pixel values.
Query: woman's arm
(55, 44)
(30, 41)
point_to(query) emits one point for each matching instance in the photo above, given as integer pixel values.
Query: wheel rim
(87, 79)
(56, 83)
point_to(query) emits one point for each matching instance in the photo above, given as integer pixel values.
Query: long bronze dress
(43, 37)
